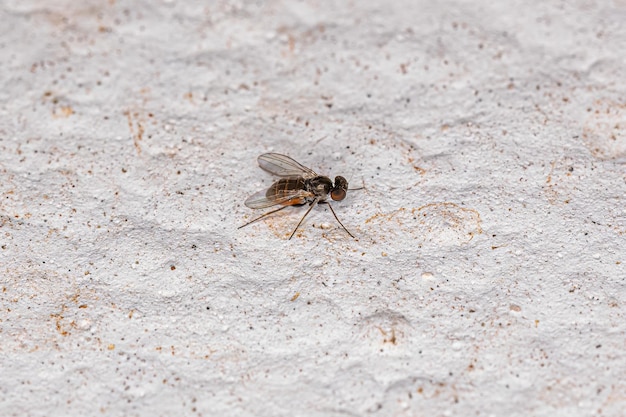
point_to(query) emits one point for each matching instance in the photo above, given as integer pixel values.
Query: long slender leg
(339, 221)
(261, 216)
(313, 204)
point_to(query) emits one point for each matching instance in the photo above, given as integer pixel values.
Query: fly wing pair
(287, 191)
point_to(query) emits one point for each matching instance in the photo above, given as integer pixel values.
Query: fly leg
(313, 204)
(263, 215)
(337, 218)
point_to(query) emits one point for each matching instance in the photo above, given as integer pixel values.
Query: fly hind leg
(262, 216)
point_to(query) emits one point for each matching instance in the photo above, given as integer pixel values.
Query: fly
(298, 186)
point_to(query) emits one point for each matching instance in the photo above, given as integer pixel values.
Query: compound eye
(338, 194)
(339, 190)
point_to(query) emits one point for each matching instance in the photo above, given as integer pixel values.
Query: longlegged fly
(298, 186)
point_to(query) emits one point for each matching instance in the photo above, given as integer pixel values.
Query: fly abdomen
(286, 186)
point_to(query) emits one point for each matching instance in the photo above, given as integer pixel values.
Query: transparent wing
(287, 198)
(284, 166)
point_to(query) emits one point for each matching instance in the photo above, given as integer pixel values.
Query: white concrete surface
(487, 277)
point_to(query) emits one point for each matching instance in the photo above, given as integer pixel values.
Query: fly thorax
(320, 186)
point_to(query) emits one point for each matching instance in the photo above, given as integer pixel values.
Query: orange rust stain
(603, 131)
(392, 338)
(549, 178)
(63, 112)
(136, 129)
(421, 171)
(456, 206)
(388, 216)
(465, 222)
(58, 318)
